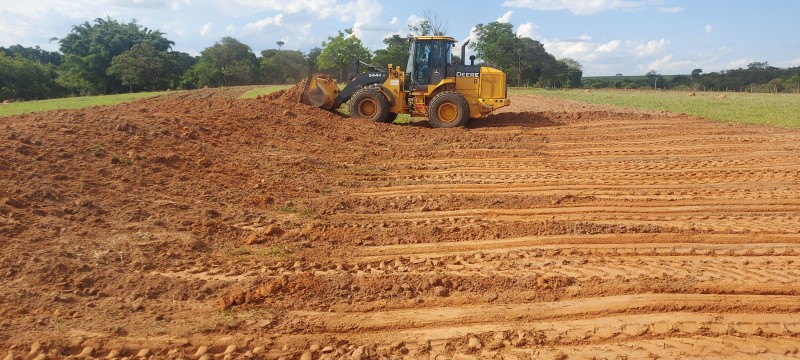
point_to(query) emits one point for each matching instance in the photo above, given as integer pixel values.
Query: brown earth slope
(198, 225)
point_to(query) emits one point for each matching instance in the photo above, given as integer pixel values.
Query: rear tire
(369, 103)
(447, 110)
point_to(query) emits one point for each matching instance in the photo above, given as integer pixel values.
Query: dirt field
(197, 226)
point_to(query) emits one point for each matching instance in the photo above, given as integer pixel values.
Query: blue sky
(608, 37)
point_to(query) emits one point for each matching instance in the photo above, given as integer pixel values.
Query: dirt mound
(293, 94)
(199, 224)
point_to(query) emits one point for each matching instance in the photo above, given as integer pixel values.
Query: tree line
(107, 57)
(757, 77)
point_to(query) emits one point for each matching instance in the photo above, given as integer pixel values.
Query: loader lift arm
(357, 81)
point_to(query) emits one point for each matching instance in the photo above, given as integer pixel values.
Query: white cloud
(660, 64)
(365, 15)
(606, 57)
(394, 21)
(205, 29)
(10, 33)
(472, 36)
(570, 48)
(414, 20)
(583, 46)
(793, 63)
(670, 10)
(651, 48)
(320, 8)
(261, 24)
(527, 30)
(230, 29)
(736, 64)
(709, 29)
(506, 17)
(609, 47)
(667, 65)
(578, 7)
(173, 28)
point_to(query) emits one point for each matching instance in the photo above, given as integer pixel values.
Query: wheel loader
(432, 86)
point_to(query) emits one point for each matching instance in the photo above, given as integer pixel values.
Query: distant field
(668, 78)
(781, 110)
(70, 103)
(266, 89)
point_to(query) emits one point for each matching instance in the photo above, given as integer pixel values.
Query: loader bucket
(319, 92)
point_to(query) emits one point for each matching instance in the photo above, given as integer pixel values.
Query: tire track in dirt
(717, 186)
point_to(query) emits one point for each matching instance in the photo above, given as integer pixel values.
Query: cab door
(438, 63)
(429, 61)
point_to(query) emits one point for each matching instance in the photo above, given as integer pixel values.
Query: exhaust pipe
(464, 53)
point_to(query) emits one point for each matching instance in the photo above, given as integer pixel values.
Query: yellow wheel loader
(432, 86)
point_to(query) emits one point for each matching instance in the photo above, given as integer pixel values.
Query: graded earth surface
(202, 226)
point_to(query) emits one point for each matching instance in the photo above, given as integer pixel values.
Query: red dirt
(200, 224)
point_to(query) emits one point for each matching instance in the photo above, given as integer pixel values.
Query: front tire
(447, 110)
(369, 103)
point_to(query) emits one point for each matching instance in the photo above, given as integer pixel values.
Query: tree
(89, 48)
(696, 73)
(431, 23)
(311, 58)
(280, 44)
(534, 64)
(572, 63)
(395, 53)
(524, 59)
(142, 65)
(227, 62)
(340, 51)
(34, 54)
(569, 73)
(283, 66)
(758, 65)
(26, 79)
(203, 73)
(496, 44)
(653, 77)
(775, 85)
(681, 81)
(182, 63)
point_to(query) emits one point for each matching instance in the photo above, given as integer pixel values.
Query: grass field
(266, 89)
(781, 110)
(70, 103)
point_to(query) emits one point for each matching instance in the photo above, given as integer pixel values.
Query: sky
(608, 37)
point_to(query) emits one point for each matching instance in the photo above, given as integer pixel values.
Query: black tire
(392, 116)
(369, 103)
(447, 110)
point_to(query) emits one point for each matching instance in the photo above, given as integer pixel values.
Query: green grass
(781, 110)
(71, 103)
(268, 89)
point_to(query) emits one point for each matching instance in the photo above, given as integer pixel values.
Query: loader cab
(428, 59)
